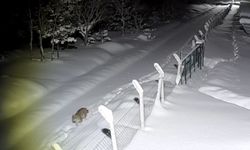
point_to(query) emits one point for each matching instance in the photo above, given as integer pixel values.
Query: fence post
(190, 66)
(203, 53)
(206, 31)
(160, 93)
(201, 35)
(179, 69)
(197, 40)
(208, 25)
(185, 71)
(108, 116)
(194, 60)
(56, 146)
(140, 91)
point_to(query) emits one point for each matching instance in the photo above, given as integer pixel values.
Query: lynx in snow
(80, 115)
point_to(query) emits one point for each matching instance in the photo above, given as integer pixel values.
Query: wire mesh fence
(90, 134)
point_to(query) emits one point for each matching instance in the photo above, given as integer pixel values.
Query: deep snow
(212, 111)
(39, 102)
(245, 16)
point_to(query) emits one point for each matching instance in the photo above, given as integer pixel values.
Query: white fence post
(179, 69)
(206, 27)
(201, 34)
(198, 40)
(140, 91)
(108, 116)
(160, 93)
(56, 146)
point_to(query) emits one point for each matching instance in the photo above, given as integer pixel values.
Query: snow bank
(192, 121)
(245, 20)
(211, 63)
(17, 95)
(245, 15)
(71, 64)
(114, 47)
(226, 95)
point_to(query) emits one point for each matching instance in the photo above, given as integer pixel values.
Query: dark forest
(17, 16)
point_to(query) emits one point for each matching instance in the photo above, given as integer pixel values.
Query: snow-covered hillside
(40, 98)
(212, 111)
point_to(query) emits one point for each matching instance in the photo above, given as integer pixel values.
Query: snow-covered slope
(212, 111)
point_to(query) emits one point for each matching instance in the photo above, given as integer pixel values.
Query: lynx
(80, 115)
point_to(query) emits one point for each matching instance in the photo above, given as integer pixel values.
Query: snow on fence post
(56, 146)
(179, 69)
(206, 28)
(209, 21)
(141, 102)
(160, 93)
(108, 116)
(198, 40)
(202, 35)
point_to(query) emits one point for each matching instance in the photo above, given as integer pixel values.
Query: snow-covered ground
(245, 16)
(212, 112)
(40, 98)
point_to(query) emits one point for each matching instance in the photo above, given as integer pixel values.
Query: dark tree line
(59, 21)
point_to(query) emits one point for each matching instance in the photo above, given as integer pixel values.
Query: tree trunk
(137, 26)
(40, 33)
(57, 51)
(41, 46)
(52, 45)
(52, 48)
(86, 35)
(53, 38)
(123, 26)
(31, 34)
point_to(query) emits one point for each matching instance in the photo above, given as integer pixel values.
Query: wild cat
(80, 115)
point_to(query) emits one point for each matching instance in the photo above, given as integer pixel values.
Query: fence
(118, 121)
(195, 57)
(189, 62)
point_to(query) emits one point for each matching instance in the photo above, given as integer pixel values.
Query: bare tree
(138, 15)
(55, 9)
(50, 19)
(42, 25)
(31, 22)
(123, 11)
(57, 27)
(88, 13)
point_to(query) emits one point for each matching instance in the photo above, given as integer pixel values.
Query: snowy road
(55, 109)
